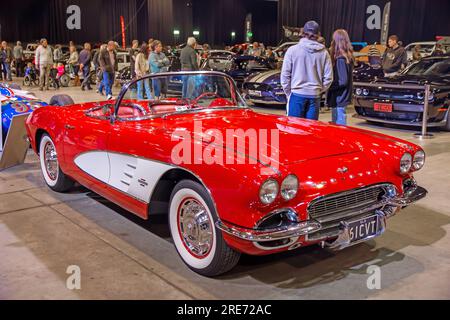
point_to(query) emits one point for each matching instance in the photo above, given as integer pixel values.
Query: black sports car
(238, 67)
(400, 100)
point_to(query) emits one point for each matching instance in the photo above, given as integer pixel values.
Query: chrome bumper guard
(309, 227)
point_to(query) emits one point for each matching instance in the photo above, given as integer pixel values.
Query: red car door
(85, 147)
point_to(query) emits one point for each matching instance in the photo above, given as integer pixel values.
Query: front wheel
(192, 219)
(53, 176)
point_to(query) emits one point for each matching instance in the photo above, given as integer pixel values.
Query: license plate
(383, 107)
(255, 93)
(363, 229)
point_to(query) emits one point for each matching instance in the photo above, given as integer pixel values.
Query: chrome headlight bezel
(289, 187)
(419, 160)
(365, 92)
(268, 191)
(358, 91)
(406, 163)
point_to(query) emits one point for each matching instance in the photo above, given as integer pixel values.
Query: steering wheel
(205, 95)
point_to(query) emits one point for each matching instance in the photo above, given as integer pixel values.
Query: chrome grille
(338, 206)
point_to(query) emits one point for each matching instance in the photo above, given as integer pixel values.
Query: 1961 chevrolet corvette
(321, 184)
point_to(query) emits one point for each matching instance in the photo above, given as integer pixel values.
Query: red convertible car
(320, 183)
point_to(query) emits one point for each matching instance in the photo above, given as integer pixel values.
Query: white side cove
(131, 175)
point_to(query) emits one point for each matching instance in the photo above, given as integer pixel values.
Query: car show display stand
(14, 151)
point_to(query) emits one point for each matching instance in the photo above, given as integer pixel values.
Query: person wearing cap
(44, 62)
(18, 58)
(394, 58)
(306, 74)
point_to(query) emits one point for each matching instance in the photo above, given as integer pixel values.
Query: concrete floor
(42, 233)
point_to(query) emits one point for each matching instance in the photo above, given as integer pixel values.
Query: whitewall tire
(53, 176)
(192, 219)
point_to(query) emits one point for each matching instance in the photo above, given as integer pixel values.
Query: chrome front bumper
(386, 209)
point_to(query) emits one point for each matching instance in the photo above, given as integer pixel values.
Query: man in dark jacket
(7, 59)
(133, 52)
(85, 65)
(108, 65)
(394, 57)
(189, 62)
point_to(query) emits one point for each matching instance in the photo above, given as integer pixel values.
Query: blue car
(264, 88)
(15, 102)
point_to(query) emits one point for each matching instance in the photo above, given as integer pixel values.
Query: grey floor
(121, 257)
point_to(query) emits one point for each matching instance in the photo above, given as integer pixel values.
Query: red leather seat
(129, 112)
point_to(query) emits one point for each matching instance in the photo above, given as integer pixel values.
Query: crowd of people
(309, 70)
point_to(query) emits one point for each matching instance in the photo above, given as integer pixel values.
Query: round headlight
(420, 95)
(405, 163)
(358, 91)
(419, 160)
(268, 191)
(289, 187)
(365, 92)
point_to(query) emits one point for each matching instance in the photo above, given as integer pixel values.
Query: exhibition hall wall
(100, 20)
(216, 20)
(411, 20)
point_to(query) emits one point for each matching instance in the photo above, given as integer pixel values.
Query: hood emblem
(342, 170)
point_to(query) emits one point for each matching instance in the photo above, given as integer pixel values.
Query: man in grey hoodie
(306, 74)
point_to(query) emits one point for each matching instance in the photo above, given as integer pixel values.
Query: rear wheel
(61, 100)
(53, 176)
(192, 219)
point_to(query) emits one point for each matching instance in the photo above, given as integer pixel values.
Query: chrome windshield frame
(127, 86)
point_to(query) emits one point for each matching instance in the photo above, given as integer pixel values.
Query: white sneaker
(110, 97)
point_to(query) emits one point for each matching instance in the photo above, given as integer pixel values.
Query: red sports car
(230, 180)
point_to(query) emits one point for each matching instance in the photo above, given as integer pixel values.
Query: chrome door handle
(69, 127)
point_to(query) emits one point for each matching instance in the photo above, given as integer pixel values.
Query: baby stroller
(53, 78)
(31, 76)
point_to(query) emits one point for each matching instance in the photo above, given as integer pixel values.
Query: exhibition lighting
(176, 32)
(196, 33)
(233, 34)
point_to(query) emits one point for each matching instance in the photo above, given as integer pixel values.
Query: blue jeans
(6, 69)
(140, 89)
(185, 87)
(86, 81)
(339, 115)
(157, 87)
(108, 81)
(304, 107)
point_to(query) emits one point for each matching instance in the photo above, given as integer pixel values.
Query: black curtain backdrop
(411, 20)
(30, 20)
(217, 19)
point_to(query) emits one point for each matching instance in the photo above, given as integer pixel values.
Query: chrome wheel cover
(51, 161)
(195, 227)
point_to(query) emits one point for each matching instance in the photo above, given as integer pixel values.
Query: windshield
(430, 67)
(171, 93)
(219, 64)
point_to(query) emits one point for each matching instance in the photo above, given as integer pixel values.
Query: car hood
(299, 140)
